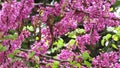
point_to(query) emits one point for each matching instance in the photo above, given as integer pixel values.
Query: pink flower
(66, 55)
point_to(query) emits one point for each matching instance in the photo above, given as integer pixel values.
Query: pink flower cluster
(108, 59)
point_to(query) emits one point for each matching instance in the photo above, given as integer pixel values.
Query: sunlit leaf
(55, 64)
(103, 42)
(31, 54)
(114, 46)
(2, 48)
(60, 43)
(16, 51)
(72, 34)
(71, 42)
(115, 37)
(108, 36)
(30, 28)
(80, 31)
(111, 9)
(88, 64)
(85, 55)
(37, 38)
(11, 55)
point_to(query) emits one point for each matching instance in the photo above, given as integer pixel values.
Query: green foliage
(37, 38)
(88, 64)
(71, 42)
(72, 34)
(59, 43)
(54, 49)
(116, 4)
(111, 40)
(108, 36)
(76, 64)
(115, 37)
(36, 66)
(11, 55)
(55, 64)
(2, 48)
(102, 42)
(87, 58)
(11, 32)
(31, 54)
(114, 46)
(76, 32)
(30, 28)
(16, 51)
(80, 31)
(11, 36)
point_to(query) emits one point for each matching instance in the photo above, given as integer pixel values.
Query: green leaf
(80, 31)
(54, 49)
(11, 31)
(102, 42)
(37, 38)
(90, 58)
(75, 63)
(36, 66)
(30, 28)
(55, 64)
(31, 54)
(78, 65)
(114, 46)
(2, 48)
(11, 55)
(85, 55)
(115, 37)
(71, 42)
(72, 62)
(60, 43)
(16, 51)
(108, 36)
(72, 34)
(111, 9)
(118, 33)
(11, 37)
(88, 64)
(117, 3)
(118, 28)
(24, 28)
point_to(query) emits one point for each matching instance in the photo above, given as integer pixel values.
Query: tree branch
(50, 57)
(43, 4)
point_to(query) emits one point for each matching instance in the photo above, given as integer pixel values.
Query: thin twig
(50, 57)
(53, 58)
(43, 4)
